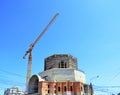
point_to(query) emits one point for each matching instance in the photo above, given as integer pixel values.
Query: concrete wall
(63, 74)
(79, 76)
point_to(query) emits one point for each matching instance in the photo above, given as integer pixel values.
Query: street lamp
(93, 78)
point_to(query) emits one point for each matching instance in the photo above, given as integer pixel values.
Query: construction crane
(29, 51)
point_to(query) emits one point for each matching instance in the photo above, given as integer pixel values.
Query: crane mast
(29, 51)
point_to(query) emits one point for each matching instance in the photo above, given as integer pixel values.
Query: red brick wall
(59, 87)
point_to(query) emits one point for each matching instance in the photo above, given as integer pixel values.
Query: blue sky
(86, 29)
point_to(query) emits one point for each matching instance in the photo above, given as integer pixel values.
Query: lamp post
(91, 86)
(93, 78)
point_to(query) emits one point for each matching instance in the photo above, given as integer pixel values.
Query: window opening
(54, 91)
(58, 88)
(64, 88)
(71, 88)
(48, 91)
(62, 64)
(48, 86)
(81, 88)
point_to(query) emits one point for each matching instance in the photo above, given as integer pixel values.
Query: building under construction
(60, 77)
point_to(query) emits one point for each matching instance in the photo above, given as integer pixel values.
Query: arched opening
(33, 84)
(62, 64)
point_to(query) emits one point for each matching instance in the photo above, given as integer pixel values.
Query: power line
(10, 82)
(107, 89)
(106, 86)
(9, 79)
(15, 74)
(116, 75)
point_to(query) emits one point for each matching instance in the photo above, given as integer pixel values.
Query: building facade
(13, 91)
(60, 77)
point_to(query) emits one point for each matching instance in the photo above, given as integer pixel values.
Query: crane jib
(41, 34)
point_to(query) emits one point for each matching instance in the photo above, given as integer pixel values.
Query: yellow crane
(29, 51)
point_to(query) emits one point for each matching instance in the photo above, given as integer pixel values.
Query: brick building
(60, 77)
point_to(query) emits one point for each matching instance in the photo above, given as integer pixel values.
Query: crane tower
(29, 51)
